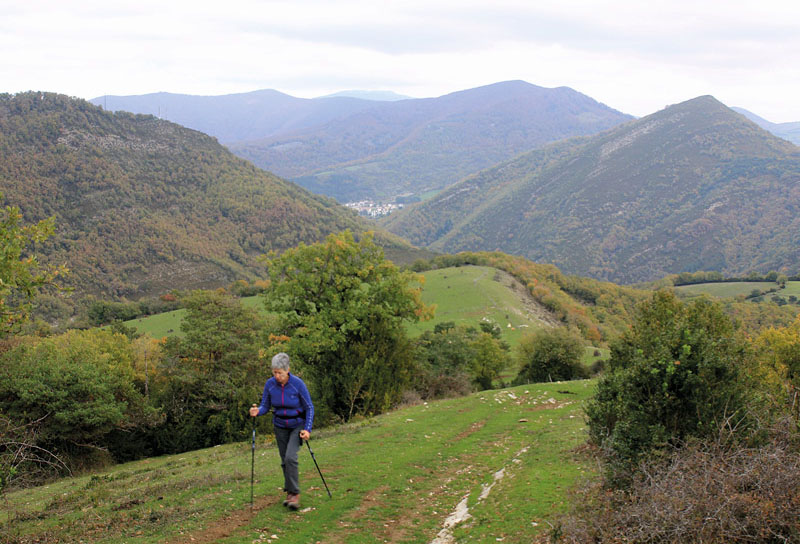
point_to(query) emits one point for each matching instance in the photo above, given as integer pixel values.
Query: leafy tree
(550, 355)
(21, 276)
(342, 306)
(211, 375)
(679, 372)
(488, 359)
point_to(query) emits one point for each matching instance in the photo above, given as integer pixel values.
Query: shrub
(550, 355)
(77, 387)
(716, 491)
(676, 374)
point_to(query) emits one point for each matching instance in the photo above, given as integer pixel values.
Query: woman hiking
(292, 418)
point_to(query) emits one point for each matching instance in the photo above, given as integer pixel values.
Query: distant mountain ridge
(787, 131)
(354, 149)
(380, 96)
(143, 206)
(411, 147)
(693, 187)
(238, 117)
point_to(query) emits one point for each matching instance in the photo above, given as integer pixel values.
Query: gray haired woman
(293, 415)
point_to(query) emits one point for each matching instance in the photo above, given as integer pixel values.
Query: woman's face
(281, 376)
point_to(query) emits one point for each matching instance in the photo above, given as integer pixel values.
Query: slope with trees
(142, 206)
(693, 187)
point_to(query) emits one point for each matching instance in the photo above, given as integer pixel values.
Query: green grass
(394, 478)
(465, 295)
(725, 289)
(169, 323)
(792, 288)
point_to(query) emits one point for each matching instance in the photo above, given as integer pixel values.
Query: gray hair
(280, 361)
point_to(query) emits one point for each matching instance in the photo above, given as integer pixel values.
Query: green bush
(678, 373)
(550, 355)
(79, 387)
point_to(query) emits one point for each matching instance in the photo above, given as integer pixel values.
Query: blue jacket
(292, 403)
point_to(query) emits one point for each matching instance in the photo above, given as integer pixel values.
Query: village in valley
(368, 208)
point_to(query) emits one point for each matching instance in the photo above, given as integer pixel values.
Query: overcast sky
(634, 55)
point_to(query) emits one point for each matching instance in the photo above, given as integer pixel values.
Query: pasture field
(169, 323)
(496, 464)
(465, 295)
(729, 289)
(792, 288)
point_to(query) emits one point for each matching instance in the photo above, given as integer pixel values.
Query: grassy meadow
(728, 289)
(465, 295)
(497, 464)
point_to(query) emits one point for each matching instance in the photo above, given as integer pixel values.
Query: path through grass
(504, 455)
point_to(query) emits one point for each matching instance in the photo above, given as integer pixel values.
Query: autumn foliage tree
(342, 305)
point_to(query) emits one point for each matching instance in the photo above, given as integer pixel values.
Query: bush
(676, 374)
(550, 355)
(716, 491)
(454, 361)
(78, 387)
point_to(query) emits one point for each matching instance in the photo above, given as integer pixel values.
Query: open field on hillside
(495, 465)
(792, 288)
(465, 295)
(726, 289)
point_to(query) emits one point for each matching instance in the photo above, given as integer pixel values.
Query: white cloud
(634, 56)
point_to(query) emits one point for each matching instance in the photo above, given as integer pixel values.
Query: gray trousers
(289, 444)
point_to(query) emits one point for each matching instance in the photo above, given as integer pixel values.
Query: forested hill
(413, 146)
(695, 186)
(143, 205)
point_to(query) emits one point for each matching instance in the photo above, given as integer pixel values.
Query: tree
(21, 276)
(212, 374)
(550, 355)
(342, 306)
(488, 359)
(679, 372)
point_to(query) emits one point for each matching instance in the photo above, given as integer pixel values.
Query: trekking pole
(253, 462)
(318, 470)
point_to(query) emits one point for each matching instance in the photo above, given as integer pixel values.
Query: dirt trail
(227, 526)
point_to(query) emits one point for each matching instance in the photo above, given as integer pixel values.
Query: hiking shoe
(288, 499)
(293, 501)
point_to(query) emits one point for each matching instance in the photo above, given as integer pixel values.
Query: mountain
(411, 147)
(787, 131)
(695, 186)
(382, 96)
(143, 205)
(237, 117)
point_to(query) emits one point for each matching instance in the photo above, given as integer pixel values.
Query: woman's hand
(253, 411)
(305, 435)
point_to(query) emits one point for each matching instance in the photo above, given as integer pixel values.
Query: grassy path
(496, 464)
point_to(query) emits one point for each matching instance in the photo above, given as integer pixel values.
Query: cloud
(635, 56)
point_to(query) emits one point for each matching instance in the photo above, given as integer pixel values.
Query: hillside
(238, 117)
(692, 187)
(414, 146)
(142, 205)
(475, 460)
(787, 131)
